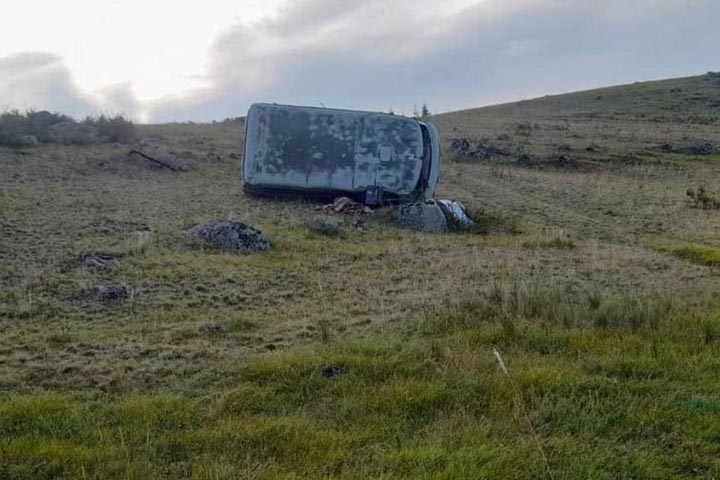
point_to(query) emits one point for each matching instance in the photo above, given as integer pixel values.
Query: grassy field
(577, 337)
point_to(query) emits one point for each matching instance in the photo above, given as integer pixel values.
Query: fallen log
(164, 160)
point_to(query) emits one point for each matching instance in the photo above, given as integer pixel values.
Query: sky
(161, 61)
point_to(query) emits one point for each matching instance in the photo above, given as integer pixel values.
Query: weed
(700, 254)
(701, 198)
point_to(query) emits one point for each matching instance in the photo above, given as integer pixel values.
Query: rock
(328, 228)
(469, 149)
(232, 237)
(456, 215)
(74, 133)
(423, 217)
(346, 205)
(112, 293)
(100, 261)
(705, 148)
(214, 329)
(332, 372)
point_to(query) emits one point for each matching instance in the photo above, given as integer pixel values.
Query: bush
(113, 129)
(701, 198)
(30, 128)
(22, 130)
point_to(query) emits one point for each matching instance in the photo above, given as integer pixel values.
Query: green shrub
(698, 254)
(701, 198)
(115, 129)
(31, 128)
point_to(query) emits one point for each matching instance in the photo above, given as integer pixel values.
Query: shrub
(113, 129)
(701, 198)
(30, 128)
(22, 130)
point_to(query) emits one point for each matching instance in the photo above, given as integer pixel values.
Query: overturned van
(374, 157)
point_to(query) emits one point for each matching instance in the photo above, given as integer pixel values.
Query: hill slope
(577, 337)
(682, 100)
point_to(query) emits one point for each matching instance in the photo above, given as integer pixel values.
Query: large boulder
(232, 237)
(423, 217)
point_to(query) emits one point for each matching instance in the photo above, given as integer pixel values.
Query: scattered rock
(333, 372)
(701, 148)
(112, 293)
(161, 159)
(423, 217)
(328, 228)
(100, 261)
(705, 148)
(232, 237)
(346, 205)
(464, 148)
(214, 329)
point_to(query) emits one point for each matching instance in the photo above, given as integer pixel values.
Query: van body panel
(321, 149)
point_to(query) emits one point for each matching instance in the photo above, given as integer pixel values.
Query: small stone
(333, 372)
(214, 329)
(100, 261)
(328, 228)
(112, 293)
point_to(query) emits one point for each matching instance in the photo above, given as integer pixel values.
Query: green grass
(700, 254)
(215, 367)
(635, 402)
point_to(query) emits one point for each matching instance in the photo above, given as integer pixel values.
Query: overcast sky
(162, 60)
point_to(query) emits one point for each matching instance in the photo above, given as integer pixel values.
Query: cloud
(42, 81)
(39, 80)
(381, 54)
(377, 54)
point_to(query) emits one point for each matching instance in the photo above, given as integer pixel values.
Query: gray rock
(100, 261)
(214, 329)
(333, 372)
(328, 228)
(112, 293)
(232, 237)
(423, 217)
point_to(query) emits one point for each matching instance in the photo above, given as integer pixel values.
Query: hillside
(574, 335)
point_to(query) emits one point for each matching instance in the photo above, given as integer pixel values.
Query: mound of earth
(235, 237)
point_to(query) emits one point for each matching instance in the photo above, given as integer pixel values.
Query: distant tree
(425, 112)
